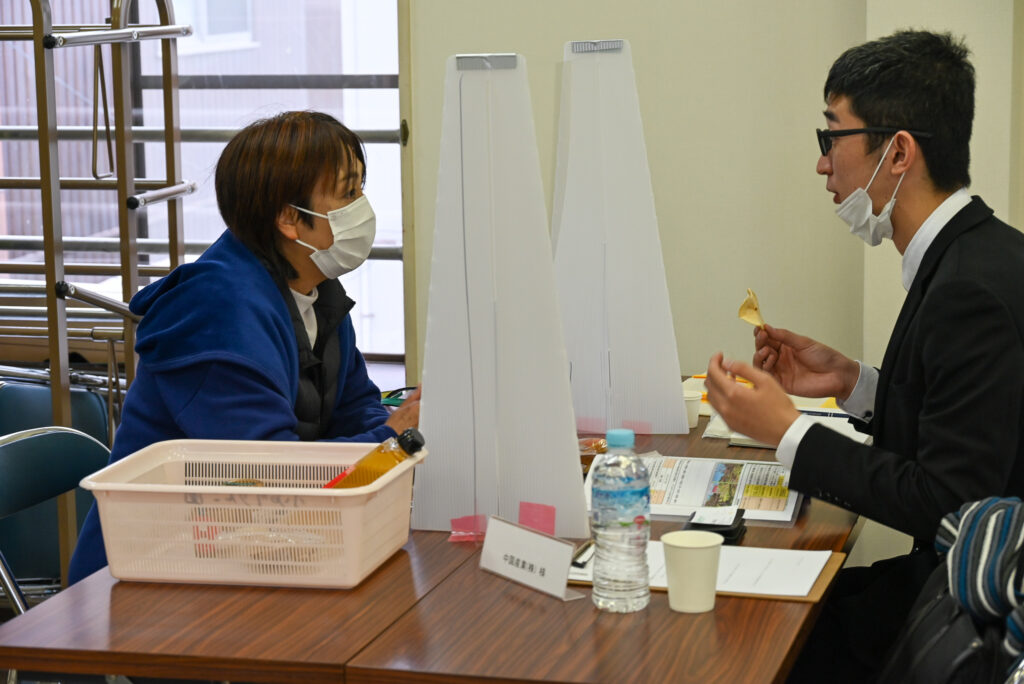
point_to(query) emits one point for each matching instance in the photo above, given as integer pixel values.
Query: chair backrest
(27, 537)
(41, 463)
(25, 405)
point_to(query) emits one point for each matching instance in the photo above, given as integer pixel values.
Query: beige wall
(730, 93)
(1017, 120)
(988, 28)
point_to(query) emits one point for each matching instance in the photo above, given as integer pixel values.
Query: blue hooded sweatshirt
(218, 359)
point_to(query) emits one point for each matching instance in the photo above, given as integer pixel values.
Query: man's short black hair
(914, 80)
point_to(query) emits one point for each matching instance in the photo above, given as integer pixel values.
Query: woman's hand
(408, 414)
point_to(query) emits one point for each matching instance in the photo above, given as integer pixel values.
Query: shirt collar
(303, 301)
(925, 235)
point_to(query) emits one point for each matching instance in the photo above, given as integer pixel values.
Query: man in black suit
(946, 409)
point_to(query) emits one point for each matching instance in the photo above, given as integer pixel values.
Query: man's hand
(802, 366)
(763, 411)
(408, 414)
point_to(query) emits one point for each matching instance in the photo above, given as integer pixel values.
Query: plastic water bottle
(621, 508)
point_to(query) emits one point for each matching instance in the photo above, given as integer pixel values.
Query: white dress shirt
(305, 305)
(861, 401)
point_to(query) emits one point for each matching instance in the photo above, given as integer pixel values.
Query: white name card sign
(619, 334)
(497, 407)
(528, 557)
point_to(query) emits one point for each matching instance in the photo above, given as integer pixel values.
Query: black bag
(940, 642)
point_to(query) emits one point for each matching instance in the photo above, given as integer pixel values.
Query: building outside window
(231, 37)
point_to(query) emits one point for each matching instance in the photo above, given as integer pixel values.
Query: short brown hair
(272, 163)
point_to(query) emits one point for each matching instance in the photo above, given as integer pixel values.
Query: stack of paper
(834, 419)
(741, 570)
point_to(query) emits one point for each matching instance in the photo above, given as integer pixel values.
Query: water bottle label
(622, 507)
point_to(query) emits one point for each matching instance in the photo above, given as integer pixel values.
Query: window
(277, 53)
(217, 25)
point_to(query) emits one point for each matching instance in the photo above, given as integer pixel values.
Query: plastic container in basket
(169, 513)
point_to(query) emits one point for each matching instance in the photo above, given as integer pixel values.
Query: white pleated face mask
(856, 210)
(354, 227)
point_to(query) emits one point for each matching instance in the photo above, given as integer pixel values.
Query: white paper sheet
(741, 570)
(497, 407)
(830, 418)
(611, 276)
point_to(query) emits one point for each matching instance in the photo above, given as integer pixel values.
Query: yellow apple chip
(750, 311)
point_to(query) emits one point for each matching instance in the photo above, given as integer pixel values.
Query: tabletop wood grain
(428, 614)
(258, 634)
(478, 627)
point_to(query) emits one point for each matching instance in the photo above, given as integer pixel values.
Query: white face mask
(354, 226)
(856, 210)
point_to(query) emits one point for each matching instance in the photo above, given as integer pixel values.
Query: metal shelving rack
(119, 34)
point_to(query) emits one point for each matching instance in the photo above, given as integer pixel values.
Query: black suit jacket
(948, 422)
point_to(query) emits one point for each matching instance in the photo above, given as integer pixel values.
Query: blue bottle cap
(620, 437)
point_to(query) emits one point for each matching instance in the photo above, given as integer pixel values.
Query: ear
(288, 222)
(904, 153)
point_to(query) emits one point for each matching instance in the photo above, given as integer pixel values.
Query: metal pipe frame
(71, 183)
(34, 313)
(49, 171)
(65, 290)
(120, 35)
(163, 195)
(172, 144)
(84, 270)
(154, 134)
(128, 221)
(78, 378)
(11, 588)
(115, 35)
(29, 243)
(23, 288)
(278, 82)
(32, 331)
(19, 32)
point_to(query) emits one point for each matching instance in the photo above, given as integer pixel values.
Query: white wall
(730, 93)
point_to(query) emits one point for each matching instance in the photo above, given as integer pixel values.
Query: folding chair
(36, 465)
(27, 537)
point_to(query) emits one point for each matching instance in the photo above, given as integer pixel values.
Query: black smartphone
(731, 533)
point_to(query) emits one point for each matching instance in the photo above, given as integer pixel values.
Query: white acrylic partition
(619, 336)
(497, 407)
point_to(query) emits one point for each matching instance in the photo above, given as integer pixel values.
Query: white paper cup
(691, 567)
(692, 398)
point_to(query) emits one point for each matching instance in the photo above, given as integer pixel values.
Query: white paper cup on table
(691, 567)
(692, 399)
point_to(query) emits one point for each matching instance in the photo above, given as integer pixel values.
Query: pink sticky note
(468, 528)
(540, 517)
(640, 427)
(590, 424)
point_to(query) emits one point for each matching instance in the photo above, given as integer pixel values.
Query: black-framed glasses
(825, 136)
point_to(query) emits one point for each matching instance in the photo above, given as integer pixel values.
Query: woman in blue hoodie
(254, 340)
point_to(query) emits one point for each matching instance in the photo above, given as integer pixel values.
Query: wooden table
(251, 634)
(429, 614)
(478, 627)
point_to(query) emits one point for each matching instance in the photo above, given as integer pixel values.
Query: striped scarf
(985, 564)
